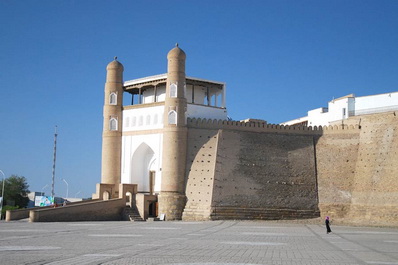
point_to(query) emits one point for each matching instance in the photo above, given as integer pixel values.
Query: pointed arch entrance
(143, 168)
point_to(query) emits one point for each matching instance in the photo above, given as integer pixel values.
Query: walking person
(327, 222)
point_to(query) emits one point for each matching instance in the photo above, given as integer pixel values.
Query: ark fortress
(189, 162)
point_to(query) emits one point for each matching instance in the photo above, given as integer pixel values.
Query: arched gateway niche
(143, 166)
(106, 195)
(129, 199)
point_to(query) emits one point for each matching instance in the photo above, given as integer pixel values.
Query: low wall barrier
(19, 214)
(109, 210)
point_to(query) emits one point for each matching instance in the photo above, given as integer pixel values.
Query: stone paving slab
(194, 243)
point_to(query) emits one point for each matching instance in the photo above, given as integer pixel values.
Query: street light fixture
(42, 193)
(2, 194)
(67, 187)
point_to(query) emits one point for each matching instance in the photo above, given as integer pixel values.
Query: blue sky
(278, 58)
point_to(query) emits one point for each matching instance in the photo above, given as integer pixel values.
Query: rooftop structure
(342, 108)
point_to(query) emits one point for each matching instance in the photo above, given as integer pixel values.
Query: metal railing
(372, 110)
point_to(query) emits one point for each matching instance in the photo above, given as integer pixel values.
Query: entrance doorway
(153, 209)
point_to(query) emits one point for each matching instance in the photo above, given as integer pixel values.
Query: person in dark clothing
(327, 222)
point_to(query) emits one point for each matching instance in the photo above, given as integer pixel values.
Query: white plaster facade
(348, 106)
(143, 118)
(205, 112)
(142, 154)
(142, 136)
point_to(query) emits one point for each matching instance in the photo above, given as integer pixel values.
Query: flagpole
(2, 194)
(55, 156)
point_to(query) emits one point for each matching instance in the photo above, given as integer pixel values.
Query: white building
(348, 106)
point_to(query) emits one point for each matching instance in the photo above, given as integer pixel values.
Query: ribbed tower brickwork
(112, 130)
(172, 197)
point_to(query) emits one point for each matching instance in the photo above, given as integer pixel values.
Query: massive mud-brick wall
(201, 163)
(357, 171)
(246, 171)
(374, 189)
(336, 156)
(264, 176)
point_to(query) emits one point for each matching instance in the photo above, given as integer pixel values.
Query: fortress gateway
(189, 162)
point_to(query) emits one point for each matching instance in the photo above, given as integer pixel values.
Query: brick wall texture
(360, 185)
(249, 173)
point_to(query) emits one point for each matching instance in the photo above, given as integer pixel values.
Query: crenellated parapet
(342, 128)
(271, 128)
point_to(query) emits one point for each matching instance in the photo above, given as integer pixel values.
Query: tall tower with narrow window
(172, 197)
(112, 130)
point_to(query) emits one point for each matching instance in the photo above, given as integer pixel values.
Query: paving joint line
(149, 249)
(372, 249)
(334, 246)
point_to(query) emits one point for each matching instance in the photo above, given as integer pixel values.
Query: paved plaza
(194, 243)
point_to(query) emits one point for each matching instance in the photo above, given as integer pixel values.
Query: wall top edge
(257, 126)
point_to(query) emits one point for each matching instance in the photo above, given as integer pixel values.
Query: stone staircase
(196, 213)
(240, 213)
(132, 214)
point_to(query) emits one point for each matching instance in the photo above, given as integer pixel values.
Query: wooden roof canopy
(137, 86)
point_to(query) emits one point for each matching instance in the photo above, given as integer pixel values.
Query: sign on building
(44, 201)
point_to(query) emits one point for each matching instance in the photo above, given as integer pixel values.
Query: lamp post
(42, 192)
(2, 194)
(67, 187)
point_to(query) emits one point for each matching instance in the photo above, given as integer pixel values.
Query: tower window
(148, 120)
(173, 90)
(113, 124)
(172, 117)
(133, 121)
(185, 90)
(127, 122)
(113, 98)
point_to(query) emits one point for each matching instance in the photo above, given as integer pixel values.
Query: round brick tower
(172, 197)
(112, 130)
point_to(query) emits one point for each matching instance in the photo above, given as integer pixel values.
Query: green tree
(15, 191)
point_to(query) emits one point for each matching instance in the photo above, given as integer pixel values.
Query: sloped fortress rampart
(259, 171)
(257, 175)
(357, 172)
